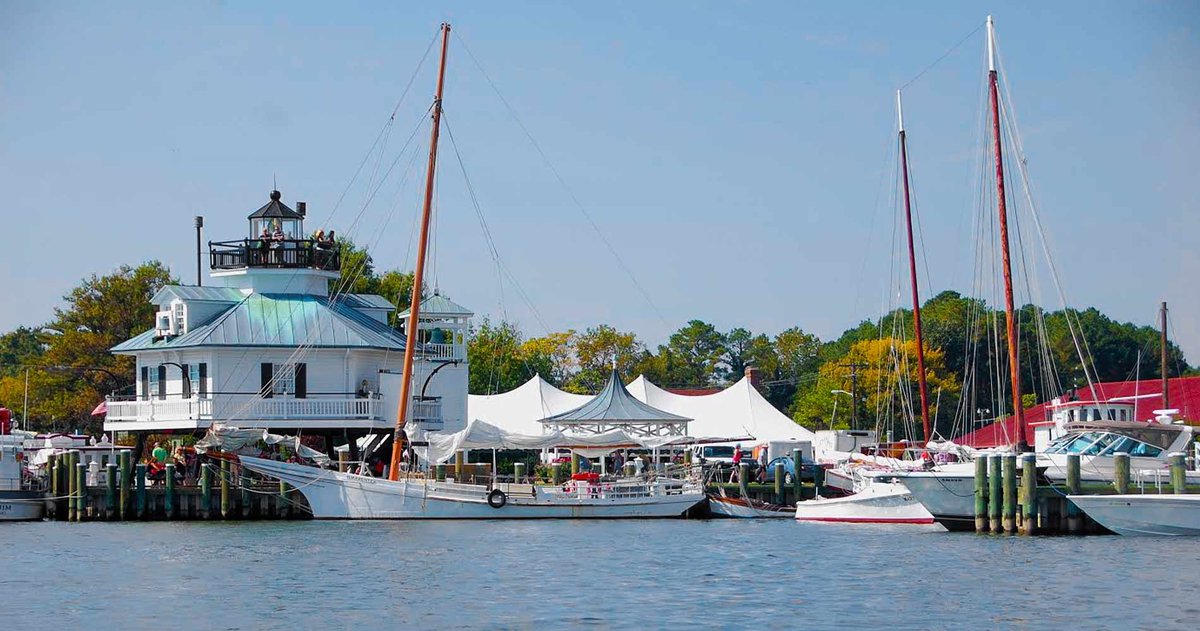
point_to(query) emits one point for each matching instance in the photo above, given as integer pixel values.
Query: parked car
(807, 470)
(717, 454)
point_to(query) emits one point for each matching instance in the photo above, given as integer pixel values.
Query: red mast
(912, 267)
(1014, 363)
(419, 273)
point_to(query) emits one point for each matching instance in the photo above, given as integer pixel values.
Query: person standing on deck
(737, 461)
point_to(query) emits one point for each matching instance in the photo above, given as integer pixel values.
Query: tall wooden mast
(419, 273)
(1166, 397)
(912, 267)
(1014, 363)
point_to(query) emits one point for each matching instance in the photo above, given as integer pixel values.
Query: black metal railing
(285, 253)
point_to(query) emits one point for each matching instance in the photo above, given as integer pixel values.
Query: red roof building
(1145, 395)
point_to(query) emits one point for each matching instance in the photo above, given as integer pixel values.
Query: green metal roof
(286, 320)
(439, 305)
(190, 293)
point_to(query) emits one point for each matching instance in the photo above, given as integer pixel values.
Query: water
(552, 574)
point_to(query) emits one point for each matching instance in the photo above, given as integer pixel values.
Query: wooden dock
(222, 492)
(1011, 499)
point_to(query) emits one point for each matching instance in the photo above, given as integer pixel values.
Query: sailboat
(881, 500)
(948, 491)
(344, 495)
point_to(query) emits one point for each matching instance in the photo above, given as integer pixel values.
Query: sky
(735, 158)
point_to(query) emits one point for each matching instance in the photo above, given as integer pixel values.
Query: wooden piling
(343, 460)
(556, 473)
(687, 457)
(80, 491)
(440, 473)
(1074, 519)
(55, 489)
(798, 467)
(779, 487)
(995, 492)
(1028, 493)
(981, 494)
(1010, 493)
(1121, 472)
(141, 490)
(245, 503)
(459, 465)
(123, 484)
(71, 479)
(518, 471)
(110, 491)
(206, 491)
(743, 480)
(574, 464)
(1176, 461)
(285, 504)
(226, 508)
(169, 498)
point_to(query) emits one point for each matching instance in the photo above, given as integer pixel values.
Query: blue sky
(732, 152)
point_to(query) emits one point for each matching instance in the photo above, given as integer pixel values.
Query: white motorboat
(948, 491)
(19, 499)
(336, 495)
(1135, 515)
(877, 502)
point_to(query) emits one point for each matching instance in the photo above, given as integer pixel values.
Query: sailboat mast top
(912, 268)
(1166, 396)
(991, 44)
(398, 442)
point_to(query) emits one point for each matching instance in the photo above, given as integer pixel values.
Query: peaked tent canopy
(739, 410)
(520, 410)
(615, 408)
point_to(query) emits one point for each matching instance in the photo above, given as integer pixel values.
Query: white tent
(739, 410)
(518, 411)
(482, 435)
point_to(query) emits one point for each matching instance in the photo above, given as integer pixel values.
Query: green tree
(494, 354)
(596, 350)
(19, 348)
(697, 349)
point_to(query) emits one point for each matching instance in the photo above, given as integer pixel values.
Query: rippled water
(634, 574)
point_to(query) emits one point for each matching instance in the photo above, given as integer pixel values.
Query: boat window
(718, 452)
(1095, 414)
(1099, 445)
(1112, 414)
(1123, 417)
(1070, 415)
(1142, 450)
(1079, 443)
(1124, 445)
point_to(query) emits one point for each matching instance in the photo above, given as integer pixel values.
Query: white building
(268, 345)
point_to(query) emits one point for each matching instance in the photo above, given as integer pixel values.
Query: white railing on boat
(238, 407)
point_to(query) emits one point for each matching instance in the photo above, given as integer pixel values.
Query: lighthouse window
(180, 316)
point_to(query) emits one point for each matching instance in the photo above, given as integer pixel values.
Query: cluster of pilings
(223, 491)
(778, 491)
(1015, 499)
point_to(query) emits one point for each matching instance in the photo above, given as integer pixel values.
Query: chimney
(752, 374)
(302, 208)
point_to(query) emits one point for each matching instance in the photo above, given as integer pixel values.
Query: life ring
(497, 498)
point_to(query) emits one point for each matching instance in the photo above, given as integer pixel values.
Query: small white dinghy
(721, 505)
(1136, 515)
(878, 502)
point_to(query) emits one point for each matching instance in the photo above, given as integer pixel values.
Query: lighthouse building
(274, 343)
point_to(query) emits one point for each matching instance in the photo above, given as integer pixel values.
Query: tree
(597, 351)
(551, 356)
(100, 313)
(888, 390)
(494, 354)
(18, 348)
(697, 348)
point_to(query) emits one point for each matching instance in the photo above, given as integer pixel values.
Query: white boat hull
(334, 495)
(21, 506)
(877, 503)
(1134, 515)
(949, 497)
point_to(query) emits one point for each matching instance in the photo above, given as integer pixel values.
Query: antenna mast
(1014, 363)
(398, 442)
(1166, 396)
(912, 266)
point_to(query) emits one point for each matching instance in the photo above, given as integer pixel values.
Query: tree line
(70, 369)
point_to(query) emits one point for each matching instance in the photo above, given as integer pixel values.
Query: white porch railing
(449, 352)
(239, 407)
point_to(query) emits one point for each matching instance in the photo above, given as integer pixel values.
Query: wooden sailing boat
(339, 495)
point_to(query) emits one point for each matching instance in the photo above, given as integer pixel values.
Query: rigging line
(487, 233)
(944, 55)
(563, 183)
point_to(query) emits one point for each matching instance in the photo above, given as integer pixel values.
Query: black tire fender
(497, 498)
